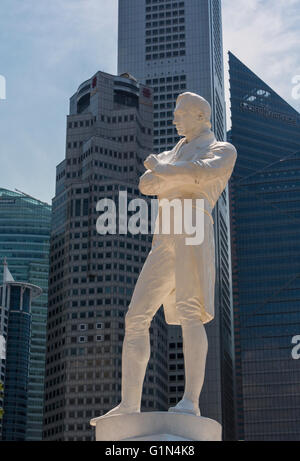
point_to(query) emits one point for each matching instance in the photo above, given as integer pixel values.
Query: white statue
(179, 276)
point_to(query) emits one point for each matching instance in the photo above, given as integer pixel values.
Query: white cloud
(264, 34)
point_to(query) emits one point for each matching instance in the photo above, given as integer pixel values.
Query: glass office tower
(176, 46)
(24, 240)
(265, 203)
(15, 301)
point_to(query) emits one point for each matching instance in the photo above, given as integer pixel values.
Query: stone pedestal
(156, 426)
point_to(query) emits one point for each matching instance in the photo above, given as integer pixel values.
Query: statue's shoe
(185, 406)
(119, 410)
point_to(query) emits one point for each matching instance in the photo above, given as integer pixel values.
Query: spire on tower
(7, 277)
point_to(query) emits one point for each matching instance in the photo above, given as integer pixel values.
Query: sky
(47, 48)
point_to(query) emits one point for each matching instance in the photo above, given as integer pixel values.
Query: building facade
(24, 240)
(92, 276)
(175, 46)
(265, 190)
(16, 325)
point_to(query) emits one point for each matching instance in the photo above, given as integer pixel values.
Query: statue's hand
(151, 162)
(149, 183)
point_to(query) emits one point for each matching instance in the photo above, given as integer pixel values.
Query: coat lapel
(194, 150)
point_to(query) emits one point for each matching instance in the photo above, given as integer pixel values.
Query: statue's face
(186, 119)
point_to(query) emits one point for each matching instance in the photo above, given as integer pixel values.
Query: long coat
(198, 169)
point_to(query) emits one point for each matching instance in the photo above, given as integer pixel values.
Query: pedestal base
(156, 426)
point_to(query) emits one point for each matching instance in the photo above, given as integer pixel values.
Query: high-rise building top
(266, 254)
(175, 46)
(92, 276)
(24, 240)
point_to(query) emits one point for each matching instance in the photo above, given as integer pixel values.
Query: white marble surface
(156, 426)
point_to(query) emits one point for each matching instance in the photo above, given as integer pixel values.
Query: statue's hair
(197, 105)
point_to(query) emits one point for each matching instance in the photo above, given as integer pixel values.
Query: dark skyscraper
(109, 134)
(265, 205)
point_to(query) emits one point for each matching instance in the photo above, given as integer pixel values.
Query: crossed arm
(217, 164)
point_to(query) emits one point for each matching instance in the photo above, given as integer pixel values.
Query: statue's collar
(204, 139)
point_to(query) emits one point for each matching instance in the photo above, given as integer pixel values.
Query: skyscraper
(109, 134)
(266, 256)
(16, 325)
(24, 240)
(176, 46)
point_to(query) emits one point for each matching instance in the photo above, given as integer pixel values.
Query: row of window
(91, 314)
(102, 301)
(163, 123)
(80, 235)
(76, 144)
(165, 47)
(103, 151)
(169, 79)
(159, 5)
(170, 3)
(165, 97)
(82, 123)
(94, 374)
(166, 141)
(107, 188)
(170, 131)
(80, 351)
(168, 6)
(109, 166)
(119, 119)
(163, 18)
(95, 177)
(164, 114)
(91, 326)
(171, 35)
(85, 339)
(168, 54)
(170, 88)
(173, 389)
(166, 30)
(168, 38)
(84, 257)
(110, 244)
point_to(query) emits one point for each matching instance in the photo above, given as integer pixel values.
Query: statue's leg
(195, 348)
(155, 282)
(190, 295)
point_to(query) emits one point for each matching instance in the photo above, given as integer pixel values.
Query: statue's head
(192, 115)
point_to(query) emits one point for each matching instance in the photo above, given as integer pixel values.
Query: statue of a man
(179, 276)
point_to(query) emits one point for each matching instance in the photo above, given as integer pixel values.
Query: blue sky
(47, 48)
